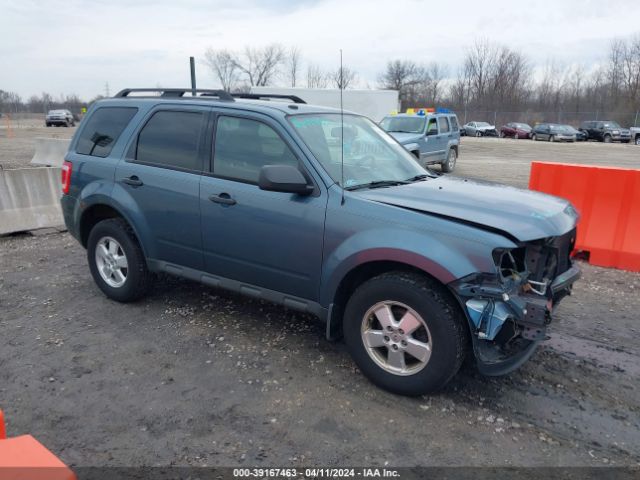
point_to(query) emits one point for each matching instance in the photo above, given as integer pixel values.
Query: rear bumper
(68, 204)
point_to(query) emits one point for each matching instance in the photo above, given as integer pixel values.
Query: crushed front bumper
(508, 321)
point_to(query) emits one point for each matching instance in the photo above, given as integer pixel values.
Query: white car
(635, 135)
(59, 117)
(480, 129)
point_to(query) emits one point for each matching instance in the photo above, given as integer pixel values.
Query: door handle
(223, 198)
(133, 180)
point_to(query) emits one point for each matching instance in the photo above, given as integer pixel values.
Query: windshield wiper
(417, 178)
(378, 184)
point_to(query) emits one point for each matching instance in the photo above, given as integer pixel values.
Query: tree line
(492, 78)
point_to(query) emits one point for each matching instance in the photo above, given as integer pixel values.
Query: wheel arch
(97, 212)
(362, 272)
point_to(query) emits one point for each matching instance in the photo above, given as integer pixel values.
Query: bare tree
(403, 76)
(293, 61)
(260, 65)
(316, 78)
(223, 66)
(343, 77)
(433, 77)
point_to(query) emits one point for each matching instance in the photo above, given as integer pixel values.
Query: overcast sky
(75, 46)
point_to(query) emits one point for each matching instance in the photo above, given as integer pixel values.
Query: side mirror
(283, 178)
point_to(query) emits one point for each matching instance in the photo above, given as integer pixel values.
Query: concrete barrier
(50, 151)
(30, 199)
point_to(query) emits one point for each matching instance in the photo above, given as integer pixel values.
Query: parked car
(515, 130)
(480, 129)
(635, 135)
(580, 135)
(59, 117)
(606, 131)
(432, 139)
(553, 132)
(321, 212)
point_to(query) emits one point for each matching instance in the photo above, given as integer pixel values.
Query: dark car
(515, 130)
(553, 132)
(606, 131)
(321, 211)
(580, 135)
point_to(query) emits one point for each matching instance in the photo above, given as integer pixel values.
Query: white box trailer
(374, 104)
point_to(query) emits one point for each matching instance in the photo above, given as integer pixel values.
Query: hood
(405, 138)
(518, 214)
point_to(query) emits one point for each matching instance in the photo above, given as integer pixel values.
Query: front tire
(552, 138)
(534, 137)
(117, 262)
(607, 139)
(405, 333)
(478, 134)
(638, 140)
(450, 163)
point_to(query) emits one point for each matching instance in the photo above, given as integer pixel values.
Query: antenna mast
(341, 132)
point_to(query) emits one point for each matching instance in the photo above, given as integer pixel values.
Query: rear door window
(444, 125)
(102, 130)
(172, 139)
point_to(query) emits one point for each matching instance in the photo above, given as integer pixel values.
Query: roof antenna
(341, 132)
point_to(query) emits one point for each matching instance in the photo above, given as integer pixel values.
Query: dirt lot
(197, 376)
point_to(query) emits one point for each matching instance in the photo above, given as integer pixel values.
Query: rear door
(271, 240)
(159, 183)
(446, 137)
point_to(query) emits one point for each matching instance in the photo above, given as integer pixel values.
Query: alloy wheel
(111, 262)
(396, 338)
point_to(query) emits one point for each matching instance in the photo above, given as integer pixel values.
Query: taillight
(66, 176)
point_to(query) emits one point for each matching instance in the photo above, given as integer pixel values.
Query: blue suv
(321, 212)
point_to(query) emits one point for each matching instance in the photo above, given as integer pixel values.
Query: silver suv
(432, 139)
(59, 117)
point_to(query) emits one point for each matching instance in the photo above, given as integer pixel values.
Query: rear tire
(638, 140)
(450, 163)
(436, 332)
(137, 278)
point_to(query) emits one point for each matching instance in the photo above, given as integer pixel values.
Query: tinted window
(444, 124)
(243, 147)
(102, 129)
(454, 124)
(172, 139)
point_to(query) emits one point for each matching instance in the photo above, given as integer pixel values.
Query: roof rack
(267, 96)
(177, 93)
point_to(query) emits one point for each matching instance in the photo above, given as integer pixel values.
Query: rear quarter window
(102, 130)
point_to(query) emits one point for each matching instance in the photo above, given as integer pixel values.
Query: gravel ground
(197, 376)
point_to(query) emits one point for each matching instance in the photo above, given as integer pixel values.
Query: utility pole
(107, 93)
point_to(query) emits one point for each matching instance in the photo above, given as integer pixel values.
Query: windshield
(523, 126)
(482, 124)
(370, 154)
(403, 124)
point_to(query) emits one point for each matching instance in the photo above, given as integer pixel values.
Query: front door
(269, 239)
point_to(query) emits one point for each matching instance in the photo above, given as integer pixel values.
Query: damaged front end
(509, 310)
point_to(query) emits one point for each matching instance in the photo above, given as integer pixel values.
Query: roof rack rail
(177, 93)
(267, 96)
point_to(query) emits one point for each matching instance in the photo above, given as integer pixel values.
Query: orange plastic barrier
(608, 200)
(24, 458)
